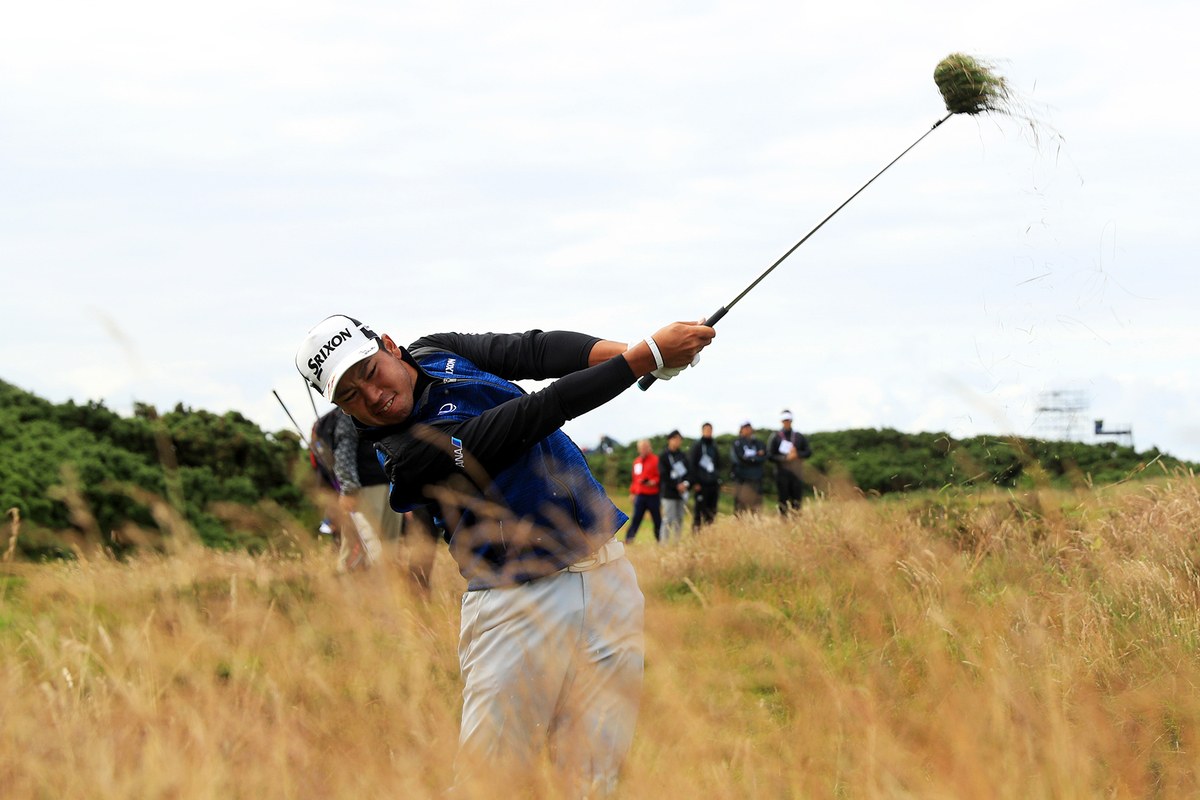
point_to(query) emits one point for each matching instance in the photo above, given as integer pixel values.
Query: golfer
(551, 641)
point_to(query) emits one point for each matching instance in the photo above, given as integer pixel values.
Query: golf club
(295, 424)
(967, 85)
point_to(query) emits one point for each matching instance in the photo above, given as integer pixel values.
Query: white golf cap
(333, 346)
(785, 415)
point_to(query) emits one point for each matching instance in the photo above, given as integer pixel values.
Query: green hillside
(119, 467)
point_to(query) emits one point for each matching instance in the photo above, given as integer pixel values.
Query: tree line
(883, 461)
(67, 468)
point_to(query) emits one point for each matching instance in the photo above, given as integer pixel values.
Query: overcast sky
(186, 189)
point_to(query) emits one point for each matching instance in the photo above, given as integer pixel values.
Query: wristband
(658, 359)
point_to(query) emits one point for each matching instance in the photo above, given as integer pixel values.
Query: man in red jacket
(644, 490)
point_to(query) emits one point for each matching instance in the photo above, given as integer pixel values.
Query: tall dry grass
(966, 646)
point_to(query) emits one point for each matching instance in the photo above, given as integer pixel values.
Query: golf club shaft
(293, 419)
(311, 401)
(648, 380)
(324, 455)
(321, 453)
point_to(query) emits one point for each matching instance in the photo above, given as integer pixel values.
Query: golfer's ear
(389, 345)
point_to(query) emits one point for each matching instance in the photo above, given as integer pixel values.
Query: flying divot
(968, 86)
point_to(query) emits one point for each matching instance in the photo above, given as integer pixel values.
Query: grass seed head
(970, 86)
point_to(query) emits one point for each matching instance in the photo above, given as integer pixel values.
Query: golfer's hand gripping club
(647, 381)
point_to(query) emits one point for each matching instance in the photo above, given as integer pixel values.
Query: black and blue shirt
(512, 491)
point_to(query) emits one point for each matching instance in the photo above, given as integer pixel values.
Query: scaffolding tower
(1060, 414)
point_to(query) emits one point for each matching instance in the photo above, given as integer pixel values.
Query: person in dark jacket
(787, 449)
(674, 480)
(705, 464)
(749, 458)
(551, 644)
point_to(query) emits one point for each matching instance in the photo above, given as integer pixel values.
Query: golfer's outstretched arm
(532, 355)
(678, 343)
(497, 437)
(482, 446)
(538, 355)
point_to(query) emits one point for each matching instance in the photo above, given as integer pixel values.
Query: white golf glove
(666, 373)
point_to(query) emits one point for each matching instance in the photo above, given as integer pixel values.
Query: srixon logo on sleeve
(317, 362)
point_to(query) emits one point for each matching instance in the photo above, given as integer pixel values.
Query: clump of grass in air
(971, 86)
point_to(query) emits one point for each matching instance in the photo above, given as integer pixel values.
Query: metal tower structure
(1060, 414)
(1123, 432)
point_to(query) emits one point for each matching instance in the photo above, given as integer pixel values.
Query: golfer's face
(378, 390)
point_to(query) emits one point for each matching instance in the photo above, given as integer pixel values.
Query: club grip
(646, 381)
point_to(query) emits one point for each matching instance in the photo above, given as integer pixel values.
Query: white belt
(611, 551)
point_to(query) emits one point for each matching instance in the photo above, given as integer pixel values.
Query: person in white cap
(551, 642)
(787, 448)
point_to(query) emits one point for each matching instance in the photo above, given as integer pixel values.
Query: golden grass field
(1035, 645)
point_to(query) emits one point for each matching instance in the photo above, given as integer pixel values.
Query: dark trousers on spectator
(790, 490)
(747, 496)
(706, 505)
(644, 504)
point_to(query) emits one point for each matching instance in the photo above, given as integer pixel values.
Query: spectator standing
(363, 492)
(643, 490)
(787, 448)
(706, 477)
(673, 485)
(357, 531)
(749, 457)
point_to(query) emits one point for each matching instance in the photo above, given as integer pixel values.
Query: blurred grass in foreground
(950, 645)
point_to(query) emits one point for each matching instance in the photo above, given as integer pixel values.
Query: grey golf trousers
(554, 664)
